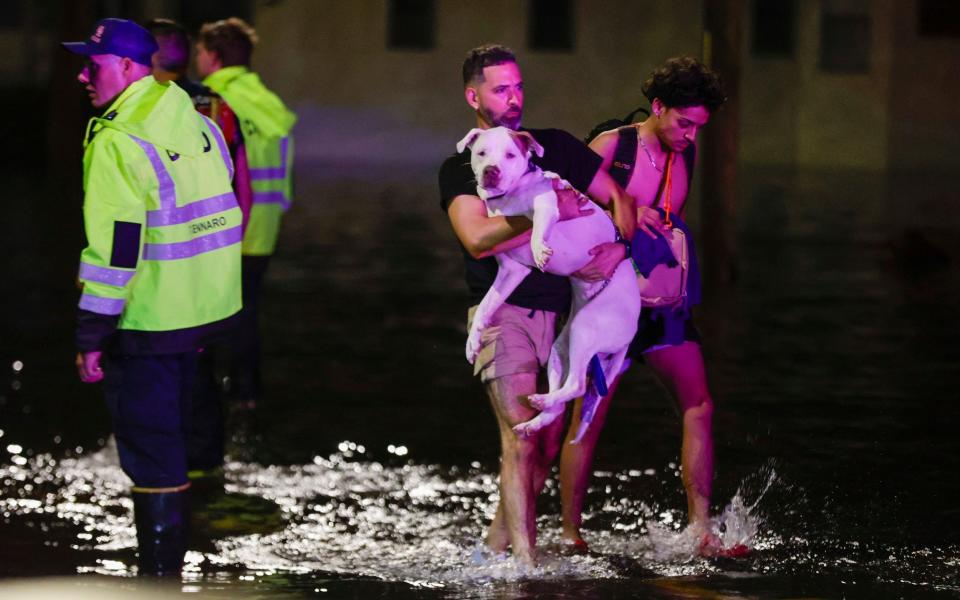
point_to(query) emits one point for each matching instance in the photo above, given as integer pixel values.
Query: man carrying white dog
(517, 343)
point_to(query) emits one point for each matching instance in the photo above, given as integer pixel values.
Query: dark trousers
(245, 345)
(239, 355)
(205, 435)
(149, 398)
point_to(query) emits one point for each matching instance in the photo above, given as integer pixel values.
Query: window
(410, 24)
(11, 16)
(845, 43)
(939, 18)
(194, 14)
(773, 28)
(551, 25)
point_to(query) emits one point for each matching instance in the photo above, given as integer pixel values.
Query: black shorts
(657, 328)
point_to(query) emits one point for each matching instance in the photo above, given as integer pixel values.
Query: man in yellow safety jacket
(224, 51)
(160, 273)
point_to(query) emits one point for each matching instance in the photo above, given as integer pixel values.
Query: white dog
(603, 316)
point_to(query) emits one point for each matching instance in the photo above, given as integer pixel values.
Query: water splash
(668, 548)
(739, 523)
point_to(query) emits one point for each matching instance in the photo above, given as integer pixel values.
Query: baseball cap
(120, 37)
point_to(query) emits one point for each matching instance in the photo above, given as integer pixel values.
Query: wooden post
(722, 36)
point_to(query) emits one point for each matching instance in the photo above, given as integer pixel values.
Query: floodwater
(371, 468)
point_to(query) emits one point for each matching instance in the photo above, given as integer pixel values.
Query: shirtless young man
(682, 93)
(518, 341)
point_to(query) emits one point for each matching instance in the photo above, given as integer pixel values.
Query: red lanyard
(668, 189)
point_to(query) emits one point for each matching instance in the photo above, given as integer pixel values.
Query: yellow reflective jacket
(162, 224)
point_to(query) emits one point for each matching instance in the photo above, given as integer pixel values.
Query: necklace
(653, 163)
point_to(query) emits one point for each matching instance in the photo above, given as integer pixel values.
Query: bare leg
(681, 369)
(576, 461)
(522, 467)
(498, 537)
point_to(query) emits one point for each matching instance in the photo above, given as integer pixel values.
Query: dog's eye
(511, 155)
(482, 153)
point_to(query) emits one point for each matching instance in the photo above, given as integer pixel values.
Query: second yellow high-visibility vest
(266, 123)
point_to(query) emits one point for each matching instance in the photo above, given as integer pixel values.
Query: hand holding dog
(570, 202)
(606, 257)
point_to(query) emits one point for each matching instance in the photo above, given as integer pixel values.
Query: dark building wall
(834, 101)
(924, 93)
(897, 113)
(358, 99)
(803, 109)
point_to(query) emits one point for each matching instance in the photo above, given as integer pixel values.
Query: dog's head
(500, 157)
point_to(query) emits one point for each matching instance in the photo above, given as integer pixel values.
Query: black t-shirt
(563, 154)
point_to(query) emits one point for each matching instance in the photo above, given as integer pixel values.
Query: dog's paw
(473, 345)
(541, 401)
(526, 429)
(537, 423)
(541, 255)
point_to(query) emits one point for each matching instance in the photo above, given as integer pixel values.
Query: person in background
(160, 273)
(224, 54)
(172, 58)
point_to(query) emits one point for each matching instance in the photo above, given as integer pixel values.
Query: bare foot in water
(574, 546)
(498, 539)
(711, 546)
(571, 541)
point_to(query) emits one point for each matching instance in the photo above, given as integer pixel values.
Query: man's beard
(508, 119)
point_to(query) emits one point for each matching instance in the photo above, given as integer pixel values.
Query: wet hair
(232, 40)
(174, 42)
(684, 81)
(487, 55)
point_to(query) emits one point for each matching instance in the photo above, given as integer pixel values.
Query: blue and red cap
(119, 37)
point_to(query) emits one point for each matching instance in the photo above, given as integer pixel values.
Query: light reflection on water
(422, 525)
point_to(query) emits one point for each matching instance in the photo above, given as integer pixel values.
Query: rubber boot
(162, 521)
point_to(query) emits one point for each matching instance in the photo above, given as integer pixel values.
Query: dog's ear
(526, 142)
(469, 139)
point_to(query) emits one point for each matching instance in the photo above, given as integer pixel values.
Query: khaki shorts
(518, 340)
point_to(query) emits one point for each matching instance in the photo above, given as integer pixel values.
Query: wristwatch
(626, 244)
